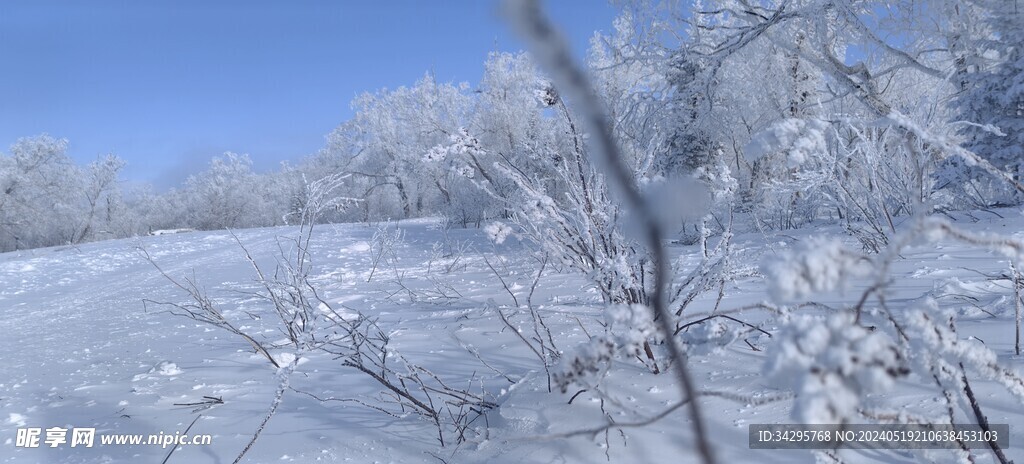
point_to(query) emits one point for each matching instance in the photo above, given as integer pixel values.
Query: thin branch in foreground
(282, 386)
(552, 52)
(1016, 307)
(980, 416)
(169, 453)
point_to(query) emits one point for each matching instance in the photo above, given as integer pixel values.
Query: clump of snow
(460, 143)
(464, 170)
(166, 368)
(286, 359)
(170, 231)
(799, 139)
(438, 153)
(588, 361)
(545, 93)
(708, 337)
(361, 246)
(676, 201)
(630, 326)
(498, 232)
(16, 419)
(831, 364)
(815, 266)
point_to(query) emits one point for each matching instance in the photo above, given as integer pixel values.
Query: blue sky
(167, 84)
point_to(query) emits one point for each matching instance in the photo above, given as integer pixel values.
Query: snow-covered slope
(81, 349)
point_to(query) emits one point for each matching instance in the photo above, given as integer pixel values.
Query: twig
(210, 400)
(593, 432)
(1016, 307)
(515, 330)
(577, 394)
(169, 453)
(502, 280)
(286, 374)
(980, 416)
(713, 316)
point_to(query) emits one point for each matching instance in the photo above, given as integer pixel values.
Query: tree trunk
(404, 196)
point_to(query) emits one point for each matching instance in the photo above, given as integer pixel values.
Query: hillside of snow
(87, 344)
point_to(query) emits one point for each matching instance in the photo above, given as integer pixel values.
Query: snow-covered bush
(837, 364)
(498, 232)
(628, 328)
(833, 365)
(312, 326)
(548, 188)
(938, 352)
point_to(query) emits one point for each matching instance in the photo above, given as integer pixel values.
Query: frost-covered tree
(227, 195)
(511, 124)
(392, 132)
(991, 103)
(38, 194)
(533, 160)
(102, 198)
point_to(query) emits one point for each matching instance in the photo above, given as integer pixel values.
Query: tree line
(775, 108)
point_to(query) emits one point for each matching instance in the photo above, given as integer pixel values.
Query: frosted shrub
(834, 364)
(831, 364)
(628, 328)
(789, 166)
(938, 352)
(354, 341)
(587, 365)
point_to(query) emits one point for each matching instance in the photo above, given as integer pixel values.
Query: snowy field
(82, 350)
(548, 232)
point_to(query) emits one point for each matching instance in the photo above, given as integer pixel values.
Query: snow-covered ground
(81, 349)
